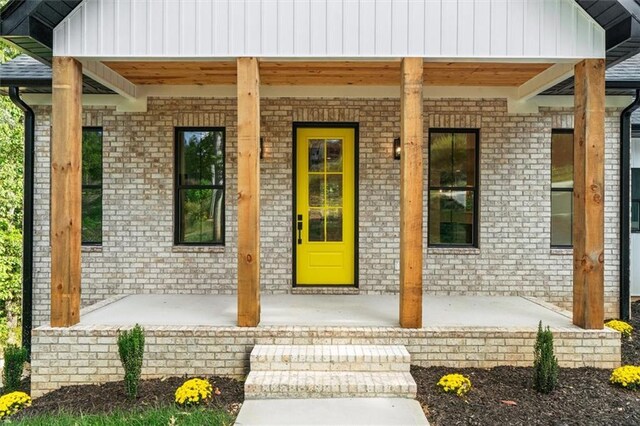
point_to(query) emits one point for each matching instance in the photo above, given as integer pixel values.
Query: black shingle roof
(35, 77)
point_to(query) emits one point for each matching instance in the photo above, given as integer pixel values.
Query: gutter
(27, 221)
(625, 203)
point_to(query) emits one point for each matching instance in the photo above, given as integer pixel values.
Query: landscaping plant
(131, 350)
(455, 383)
(545, 364)
(623, 327)
(627, 376)
(13, 402)
(14, 359)
(194, 392)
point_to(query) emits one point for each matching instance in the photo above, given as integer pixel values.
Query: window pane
(635, 184)
(92, 215)
(451, 218)
(91, 156)
(202, 161)
(464, 159)
(561, 218)
(635, 216)
(440, 159)
(561, 160)
(202, 212)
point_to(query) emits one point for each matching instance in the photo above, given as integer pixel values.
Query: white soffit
(548, 30)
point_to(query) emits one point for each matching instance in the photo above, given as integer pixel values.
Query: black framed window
(199, 186)
(91, 185)
(453, 187)
(562, 188)
(635, 200)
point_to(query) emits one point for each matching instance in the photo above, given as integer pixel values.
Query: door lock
(300, 222)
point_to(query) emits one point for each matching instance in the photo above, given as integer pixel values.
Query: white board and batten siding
(447, 29)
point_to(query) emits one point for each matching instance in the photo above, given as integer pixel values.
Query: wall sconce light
(396, 149)
(261, 147)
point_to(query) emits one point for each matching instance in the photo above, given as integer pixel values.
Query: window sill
(562, 251)
(92, 249)
(454, 250)
(198, 249)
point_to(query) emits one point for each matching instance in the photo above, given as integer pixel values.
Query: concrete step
(390, 358)
(327, 384)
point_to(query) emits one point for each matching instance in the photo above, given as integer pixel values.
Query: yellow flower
(13, 402)
(455, 383)
(621, 326)
(193, 392)
(627, 376)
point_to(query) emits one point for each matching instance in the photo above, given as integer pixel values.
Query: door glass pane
(440, 159)
(316, 190)
(334, 155)
(316, 155)
(561, 218)
(334, 225)
(316, 225)
(200, 211)
(334, 190)
(464, 159)
(561, 160)
(451, 217)
(635, 216)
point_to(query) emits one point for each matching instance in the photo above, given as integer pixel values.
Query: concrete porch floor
(324, 310)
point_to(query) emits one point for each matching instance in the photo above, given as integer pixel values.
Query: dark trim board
(356, 195)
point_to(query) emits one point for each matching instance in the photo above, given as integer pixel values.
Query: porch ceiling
(383, 73)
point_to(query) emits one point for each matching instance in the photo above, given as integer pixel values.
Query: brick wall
(138, 256)
(82, 355)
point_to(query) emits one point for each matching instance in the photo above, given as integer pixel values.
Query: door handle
(300, 222)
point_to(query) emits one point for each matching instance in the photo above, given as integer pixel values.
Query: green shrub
(545, 364)
(131, 350)
(14, 359)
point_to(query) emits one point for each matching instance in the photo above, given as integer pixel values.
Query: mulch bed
(505, 395)
(502, 395)
(93, 399)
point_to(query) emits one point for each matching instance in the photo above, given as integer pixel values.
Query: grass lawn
(150, 416)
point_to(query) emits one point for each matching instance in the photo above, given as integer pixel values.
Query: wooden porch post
(248, 192)
(66, 191)
(588, 195)
(411, 176)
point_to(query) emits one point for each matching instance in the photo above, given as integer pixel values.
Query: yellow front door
(325, 206)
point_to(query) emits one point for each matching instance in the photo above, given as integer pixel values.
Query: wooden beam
(588, 195)
(66, 191)
(111, 79)
(248, 192)
(411, 176)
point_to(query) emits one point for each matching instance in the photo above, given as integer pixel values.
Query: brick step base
(329, 371)
(391, 358)
(323, 384)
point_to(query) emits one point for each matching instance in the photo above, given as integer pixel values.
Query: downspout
(625, 203)
(27, 220)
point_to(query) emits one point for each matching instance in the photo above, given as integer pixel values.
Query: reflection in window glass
(561, 188)
(453, 166)
(91, 185)
(200, 186)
